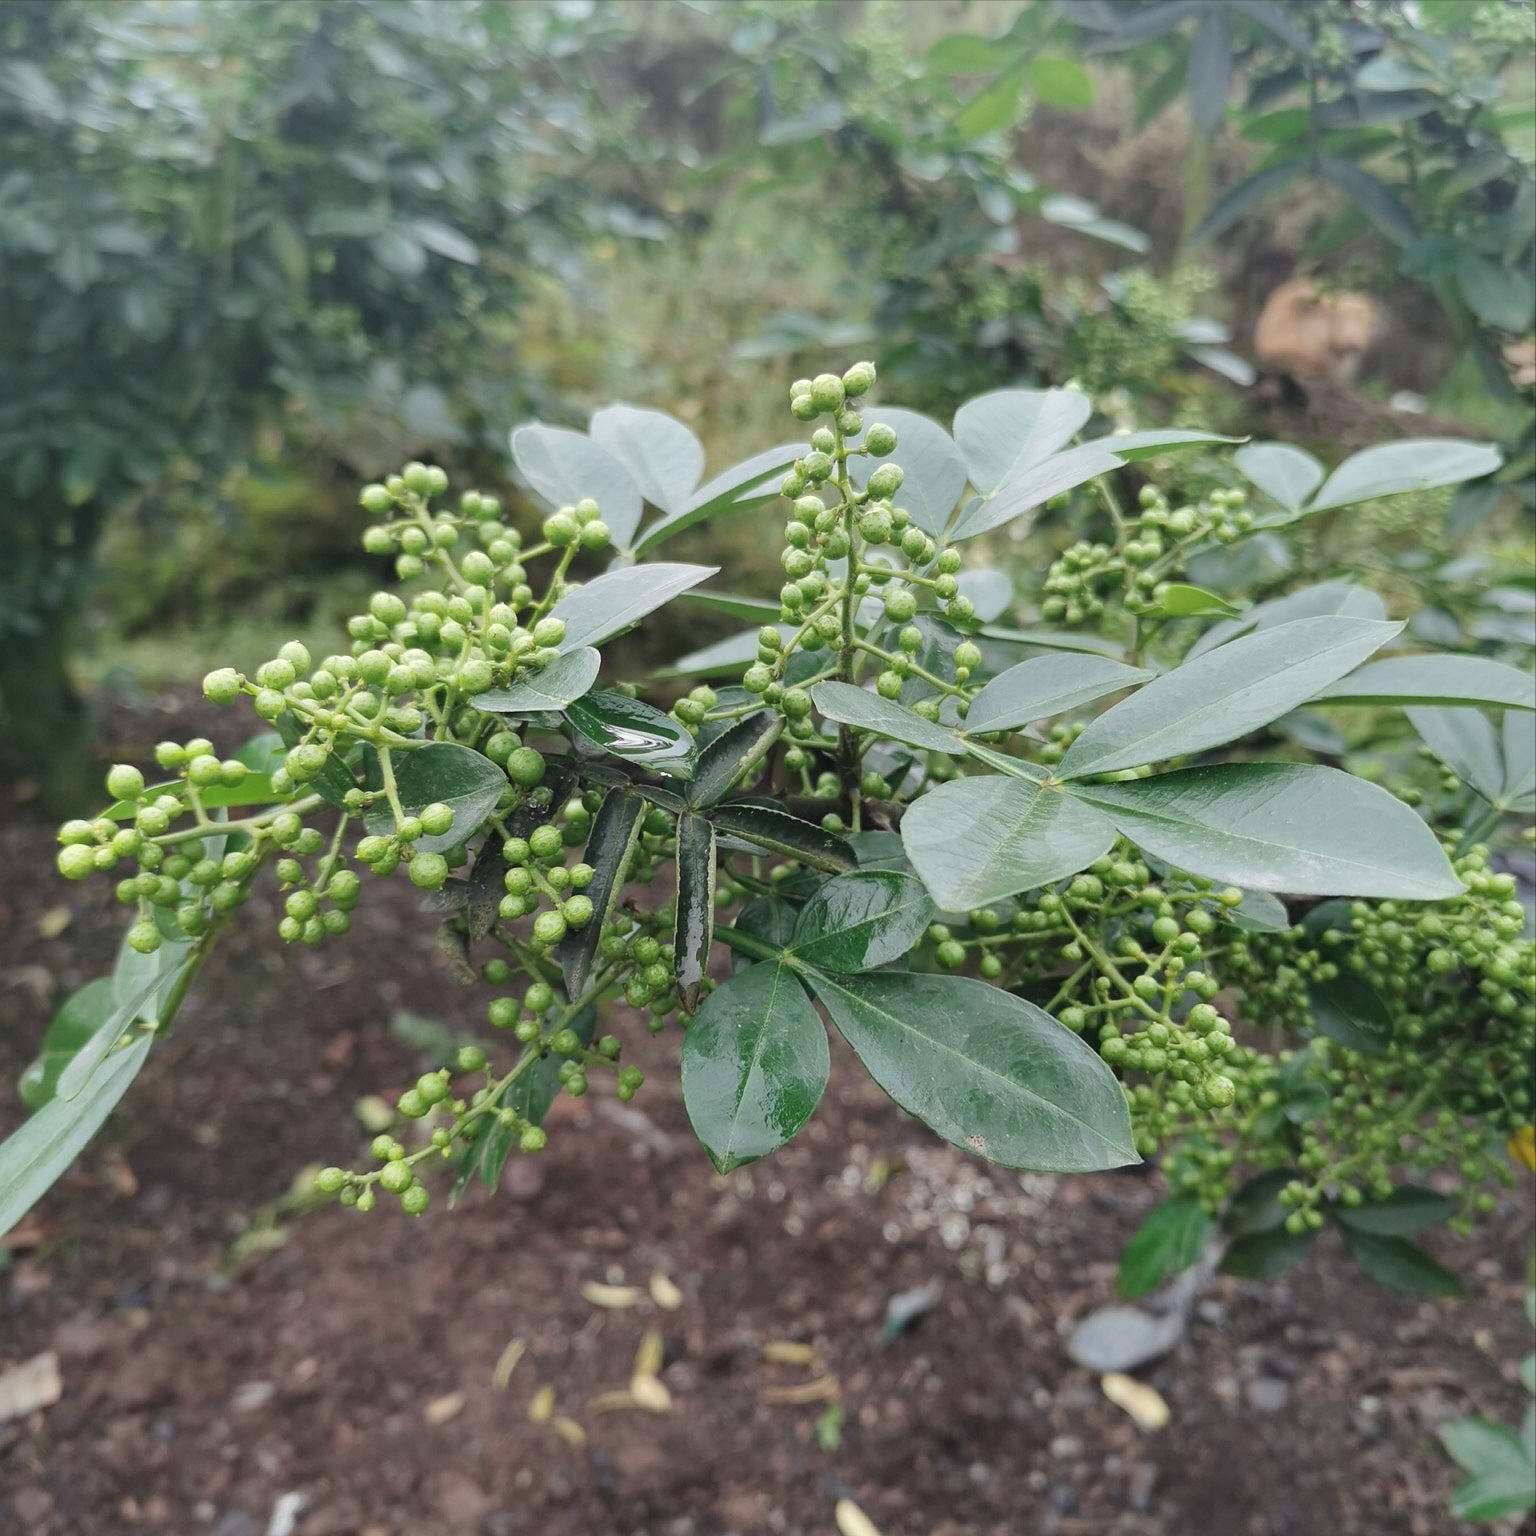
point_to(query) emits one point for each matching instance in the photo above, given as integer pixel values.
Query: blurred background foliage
(255, 250)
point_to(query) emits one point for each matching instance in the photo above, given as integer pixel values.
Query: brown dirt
(198, 1393)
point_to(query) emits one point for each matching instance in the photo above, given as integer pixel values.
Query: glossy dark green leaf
(1231, 206)
(862, 920)
(730, 755)
(1224, 694)
(1400, 1265)
(1503, 296)
(787, 835)
(695, 905)
(1351, 1013)
(1263, 1255)
(879, 850)
(1141, 24)
(1044, 686)
(768, 919)
(861, 707)
(1256, 1206)
(35, 1154)
(1169, 1240)
(1407, 1209)
(617, 600)
(551, 688)
(1454, 681)
(485, 888)
(1210, 70)
(83, 1013)
(1258, 912)
(494, 1145)
(1307, 830)
(1416, 464)
(441, 771)
(615, 831)
(976, 840)
(636, 731)
(755, 1065)
(1133, 447)
(334, 780)
(983, 1069)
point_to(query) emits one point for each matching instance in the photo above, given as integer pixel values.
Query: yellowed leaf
(788, 1352)
(649, 1356)
(823, 1390)
(651, 1394)
(507, 1363)
(441, 1409)
(53, 922)
(852, 1521)
(1143, 1403)
(569, 1431)
(542, 1405)
(665, 1294)
(614, 1296)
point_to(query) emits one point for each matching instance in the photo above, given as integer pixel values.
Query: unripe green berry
(525, 767)
(548, 928)
(880, 440)
(886, 481)
(222, 686)
(428, 871)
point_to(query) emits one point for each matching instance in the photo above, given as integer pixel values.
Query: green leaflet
(551, 688)
(860, 707)
(1044, 686)
(975, 840)
(730, 755)
(695, 905)
(1407, 1209)
(1446, 680)
(1307, 830)
(440, 771)
(861, 920)
(1224, 694)
(755, 1064)
(636, 731)
(615, 832)
(617, 600)
(1399, 1264)
(34, 1155)
(983, 1069)
(1171, 1238)
(779, 832)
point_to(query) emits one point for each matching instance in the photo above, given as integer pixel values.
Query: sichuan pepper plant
(1043, 925)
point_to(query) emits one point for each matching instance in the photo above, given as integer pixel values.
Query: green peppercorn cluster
(1148, 551)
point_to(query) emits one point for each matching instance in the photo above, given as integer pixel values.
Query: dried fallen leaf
(441, 1409)
(1144, 1404)
(569, 1431)
(542, 1405)
(609, 1402)
(665, 1294)
(852, 1521)
(53, 922)
(649, 1356)
(651, 1394)
(502, 1373)
(613, 1296)
(823, 1390)
(788, 1352)
(33, 1384)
